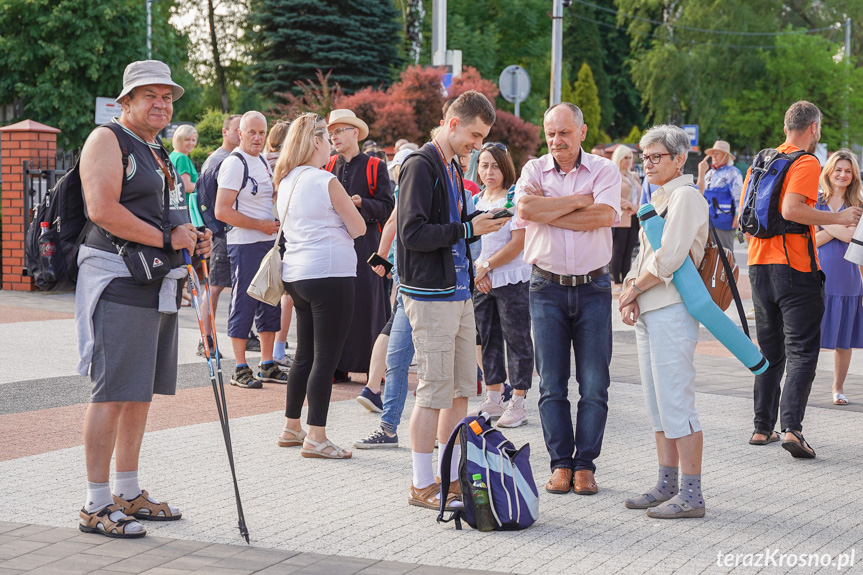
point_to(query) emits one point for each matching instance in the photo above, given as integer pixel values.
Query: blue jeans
(579, 317)
(400, 353)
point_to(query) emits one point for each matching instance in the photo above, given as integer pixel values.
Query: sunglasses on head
(497, 145)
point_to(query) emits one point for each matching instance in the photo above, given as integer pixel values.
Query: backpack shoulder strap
(123, 140)
(331, 163)
(445, 463)
(372, 174)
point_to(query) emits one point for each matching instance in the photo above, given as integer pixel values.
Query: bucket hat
(148, 73)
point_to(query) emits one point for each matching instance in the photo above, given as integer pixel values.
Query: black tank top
(142, 194)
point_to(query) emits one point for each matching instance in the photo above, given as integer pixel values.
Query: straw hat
(720, 146)
(148, 73)
(348, 117)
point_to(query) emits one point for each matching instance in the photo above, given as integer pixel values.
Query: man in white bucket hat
(127, 331)
(721, 184)
(367, 181)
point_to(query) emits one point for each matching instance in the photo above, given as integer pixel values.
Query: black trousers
(788, 308)
(623, 241)
(324, 310)
(503, 315)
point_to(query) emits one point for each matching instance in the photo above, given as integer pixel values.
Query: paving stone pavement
(757, 497)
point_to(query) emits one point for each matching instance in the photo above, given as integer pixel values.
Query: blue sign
(447, 81)
(691, 131)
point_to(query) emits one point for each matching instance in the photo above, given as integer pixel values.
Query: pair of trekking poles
(212, 355)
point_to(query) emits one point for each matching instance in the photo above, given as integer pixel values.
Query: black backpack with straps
(64, 210)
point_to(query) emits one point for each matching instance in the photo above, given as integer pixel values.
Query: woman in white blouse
(624, 235)
(665, 332)
(501, 296)
(319, 268)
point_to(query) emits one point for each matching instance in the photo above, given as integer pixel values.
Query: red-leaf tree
(421, 89)
(470, 79)
(521, 138)
(388, 119)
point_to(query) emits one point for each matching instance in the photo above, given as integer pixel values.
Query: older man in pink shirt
(567, 201)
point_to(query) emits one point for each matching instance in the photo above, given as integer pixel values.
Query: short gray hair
(672, 137)
(249, 115)
(801, 115)
(576, 111)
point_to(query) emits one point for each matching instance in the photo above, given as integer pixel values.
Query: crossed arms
(577, 212)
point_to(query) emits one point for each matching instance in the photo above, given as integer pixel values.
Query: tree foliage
(290, 39)
(319, 97)
(56, 57)
(586, 97)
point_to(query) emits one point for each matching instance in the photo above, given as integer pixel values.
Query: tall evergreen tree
(291, 39)
(586, 97)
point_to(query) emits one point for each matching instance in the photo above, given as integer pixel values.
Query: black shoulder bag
(148, 264)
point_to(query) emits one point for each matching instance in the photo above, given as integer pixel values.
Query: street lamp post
(556, 50)
(150, 28)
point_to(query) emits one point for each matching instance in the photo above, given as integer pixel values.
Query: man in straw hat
(721, 184)
(368, 183)
(127, 332)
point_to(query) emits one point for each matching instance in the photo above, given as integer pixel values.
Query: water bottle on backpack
(484, 516)
(47, 251)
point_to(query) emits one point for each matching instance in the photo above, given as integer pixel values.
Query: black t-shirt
(143, 195)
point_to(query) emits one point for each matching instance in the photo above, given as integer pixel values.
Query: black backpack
(64, 211)
(206, 188)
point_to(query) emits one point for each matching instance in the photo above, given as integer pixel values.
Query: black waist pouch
(146, 264)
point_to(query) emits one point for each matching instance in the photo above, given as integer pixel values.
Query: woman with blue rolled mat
(665, 331)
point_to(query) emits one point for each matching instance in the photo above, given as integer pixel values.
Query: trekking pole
(218, 384)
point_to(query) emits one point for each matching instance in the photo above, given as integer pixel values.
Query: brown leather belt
(571, 281)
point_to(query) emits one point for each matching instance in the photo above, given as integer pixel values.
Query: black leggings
(324, 310)
(623, 243)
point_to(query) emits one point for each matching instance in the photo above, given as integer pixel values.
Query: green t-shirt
(184, 165)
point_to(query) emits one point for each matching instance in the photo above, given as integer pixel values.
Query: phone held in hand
(376, 260)
(502, 214)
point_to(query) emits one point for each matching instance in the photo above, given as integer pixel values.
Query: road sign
(514, 85)
(107, 108)
(691, 131)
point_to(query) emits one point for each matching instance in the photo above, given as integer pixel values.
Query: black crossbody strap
(166, 214)
(731, 283)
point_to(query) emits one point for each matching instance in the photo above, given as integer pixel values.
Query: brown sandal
(100, 522)
(142, 508)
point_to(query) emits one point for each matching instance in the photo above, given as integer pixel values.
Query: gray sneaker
(379, 438)
(493, 409)
(286, 362)
(514, 415)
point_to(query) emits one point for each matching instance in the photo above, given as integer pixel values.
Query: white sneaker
(494, 410)
(515, 415)
(286, 362)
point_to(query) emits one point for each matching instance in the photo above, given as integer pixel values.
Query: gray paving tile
(64, 548)
(27, 562)
(388, 568)
(190, 562)
(218, 551)
(19, 547)
(139, 563)
(162, 571)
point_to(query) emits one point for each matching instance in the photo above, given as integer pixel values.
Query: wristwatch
(486, 266)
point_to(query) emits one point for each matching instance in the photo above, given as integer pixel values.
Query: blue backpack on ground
(505, 471)
(206, 188)
(760, 215)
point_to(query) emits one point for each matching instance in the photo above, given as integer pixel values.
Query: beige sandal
(318, 451)
(100, 522)
(142, 508)
(294, 439)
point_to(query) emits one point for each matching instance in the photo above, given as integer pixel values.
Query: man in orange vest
(367, 181)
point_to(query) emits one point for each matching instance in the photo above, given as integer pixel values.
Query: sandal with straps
(294, 438)
(100, 522)
(769, 437)
(142, 508)
(318, 451)
(801, 450)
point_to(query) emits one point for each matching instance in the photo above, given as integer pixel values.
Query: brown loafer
(560, 482)
(583, 483)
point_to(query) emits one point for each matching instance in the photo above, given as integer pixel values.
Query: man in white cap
(721, 184)
(367, 181)
(127, 330)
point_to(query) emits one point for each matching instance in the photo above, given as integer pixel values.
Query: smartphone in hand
(376, 260)
(502, 214)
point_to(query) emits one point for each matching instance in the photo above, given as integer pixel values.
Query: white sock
(126, 485)
(494, 396)
(99, 497)
(423, 469)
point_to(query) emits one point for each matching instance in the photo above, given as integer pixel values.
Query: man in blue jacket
(436, 274)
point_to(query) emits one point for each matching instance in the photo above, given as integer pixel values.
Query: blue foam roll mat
(698, 301)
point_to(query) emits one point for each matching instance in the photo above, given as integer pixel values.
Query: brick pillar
(27, 140)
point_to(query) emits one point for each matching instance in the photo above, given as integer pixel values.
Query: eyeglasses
(340, 130)
(497, 145)
(652, 158)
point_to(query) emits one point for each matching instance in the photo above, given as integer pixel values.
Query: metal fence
(40, 175)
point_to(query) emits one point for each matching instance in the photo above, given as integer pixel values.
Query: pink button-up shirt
(562, 251)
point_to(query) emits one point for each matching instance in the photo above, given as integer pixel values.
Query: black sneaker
(243, 377)
(253, 343)
(201, 351)
(379, 438)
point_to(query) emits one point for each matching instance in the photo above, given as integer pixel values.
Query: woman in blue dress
(842, 325)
